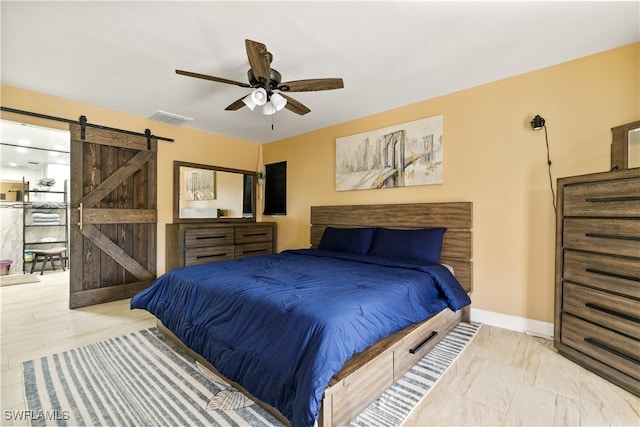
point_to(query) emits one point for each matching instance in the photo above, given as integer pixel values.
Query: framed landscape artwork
(199, 184)
(397, 156)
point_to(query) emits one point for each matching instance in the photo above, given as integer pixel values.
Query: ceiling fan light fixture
(269, 109)
(278, 101)
(249, 102)
(259, 96)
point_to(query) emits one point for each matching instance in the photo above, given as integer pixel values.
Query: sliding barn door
(113, 215)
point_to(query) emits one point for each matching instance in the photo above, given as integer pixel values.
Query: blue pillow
(422, 244)
(348, 240)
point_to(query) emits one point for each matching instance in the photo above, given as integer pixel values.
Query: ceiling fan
(266, 82)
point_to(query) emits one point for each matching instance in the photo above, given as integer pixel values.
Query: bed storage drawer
(419, 342)
(610, 198)
(613, 349)
(606, 235)
(390, 365)
(609, 310)
(201, 237)
(378, 376)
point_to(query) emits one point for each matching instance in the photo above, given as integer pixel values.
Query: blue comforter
(282, 325)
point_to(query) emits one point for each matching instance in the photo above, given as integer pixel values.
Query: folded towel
(41, 215)
(50, 205)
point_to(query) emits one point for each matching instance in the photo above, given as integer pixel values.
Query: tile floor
(503, 378)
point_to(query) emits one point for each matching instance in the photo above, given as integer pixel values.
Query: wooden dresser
(199, 243)
(597, 297)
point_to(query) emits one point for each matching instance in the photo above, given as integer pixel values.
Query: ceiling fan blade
(259, 60)
(311, 85)
(236, 105)
(212, 78)
(295, 106)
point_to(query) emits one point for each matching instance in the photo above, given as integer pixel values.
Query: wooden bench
(44, 255)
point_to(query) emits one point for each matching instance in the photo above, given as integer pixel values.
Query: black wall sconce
(538, 124)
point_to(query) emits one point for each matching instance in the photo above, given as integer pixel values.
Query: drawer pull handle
(603, 346)
(616, 275)
(253, 251)
(210, 256)
(613, 199)
(612, 312)
(210, 237)
(612, 236)
(417, 348)
(254, 234)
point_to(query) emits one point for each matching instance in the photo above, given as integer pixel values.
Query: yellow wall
(491, 157)
(494, 159)
(189, 146)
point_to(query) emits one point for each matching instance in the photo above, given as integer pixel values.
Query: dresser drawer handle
(612, 236)
(210, 237)
(612, 312)
(608, 273)
(253, 234)
(612, 199)
(210, 256)
(417, 348)
(603, 346)
(253, 251)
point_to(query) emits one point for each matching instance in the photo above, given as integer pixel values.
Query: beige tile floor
(503, 378)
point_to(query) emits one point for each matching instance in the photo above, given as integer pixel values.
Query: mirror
(212, 193)
(625, 146)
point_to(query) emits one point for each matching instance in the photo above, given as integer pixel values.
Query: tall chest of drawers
(597, 297)
(199, 243)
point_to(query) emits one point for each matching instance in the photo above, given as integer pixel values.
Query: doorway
(31, 156)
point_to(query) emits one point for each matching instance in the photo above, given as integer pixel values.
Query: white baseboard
(514, 323)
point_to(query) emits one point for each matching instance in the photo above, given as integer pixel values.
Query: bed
(363, 312)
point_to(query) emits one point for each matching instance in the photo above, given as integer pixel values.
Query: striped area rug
(142, 379)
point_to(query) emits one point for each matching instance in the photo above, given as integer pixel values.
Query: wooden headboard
(455, 216)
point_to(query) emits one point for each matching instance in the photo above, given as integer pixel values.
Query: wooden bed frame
(368, 374)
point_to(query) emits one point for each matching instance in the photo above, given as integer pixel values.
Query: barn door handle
(80, 210)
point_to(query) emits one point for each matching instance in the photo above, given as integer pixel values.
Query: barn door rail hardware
(83, 123)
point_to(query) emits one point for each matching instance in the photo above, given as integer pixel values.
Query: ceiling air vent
(174, 119)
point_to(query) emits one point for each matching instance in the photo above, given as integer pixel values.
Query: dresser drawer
(610, 236)
(608, 273)
(202, 237)
(620, 197)
(609, 310)
(611, 348)
(254, 233)
(194, 256)
(253, 249)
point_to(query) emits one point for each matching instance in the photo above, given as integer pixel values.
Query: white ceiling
(123, 55)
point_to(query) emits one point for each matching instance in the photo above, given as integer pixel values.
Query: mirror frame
(620, 145)
(176, 193)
